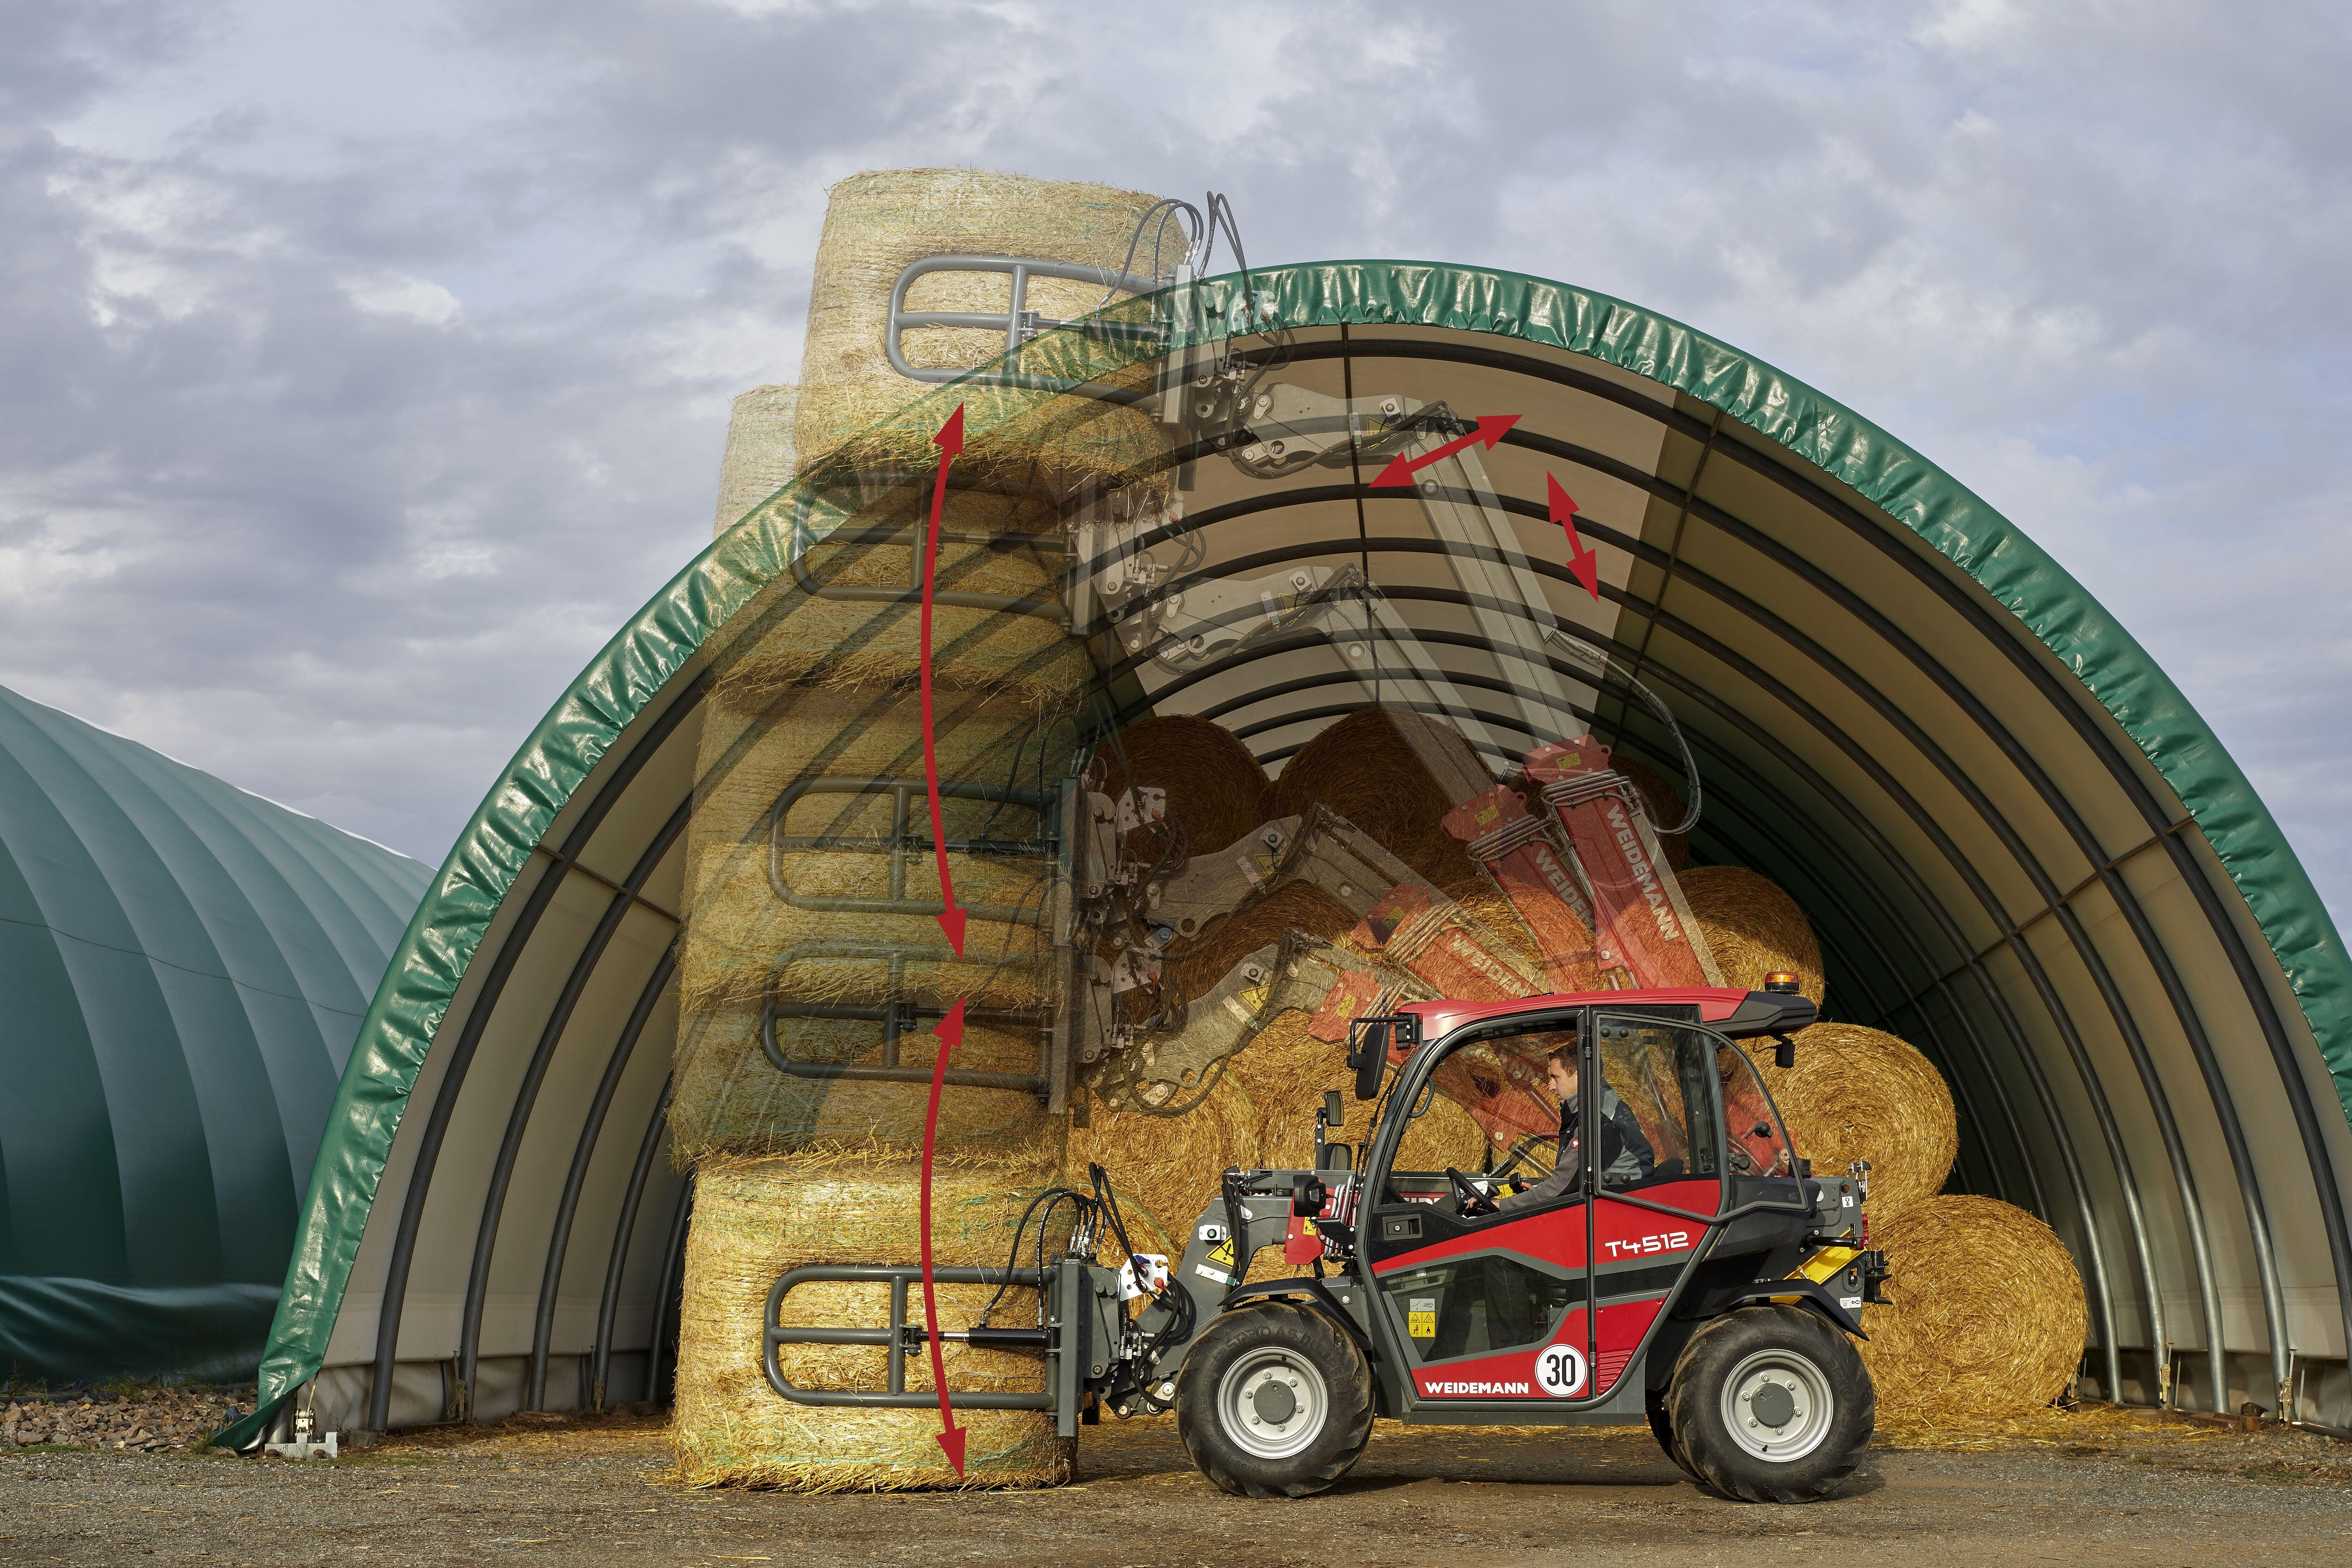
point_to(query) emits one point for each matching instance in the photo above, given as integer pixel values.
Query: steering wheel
(1466, 1192)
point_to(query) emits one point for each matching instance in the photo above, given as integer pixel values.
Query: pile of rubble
(149, 1419)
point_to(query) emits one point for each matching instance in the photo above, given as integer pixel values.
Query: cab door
(1661, 1174)
(1476, 1303)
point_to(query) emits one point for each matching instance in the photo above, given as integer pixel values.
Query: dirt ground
(2095, 1487)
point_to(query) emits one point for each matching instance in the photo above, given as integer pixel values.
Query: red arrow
(1490, 430)
(949, 1035)
(950, 441)
(1581, 559)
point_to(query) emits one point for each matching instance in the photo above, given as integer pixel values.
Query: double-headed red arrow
(950, 441)
(1582, 558)
(950, 1033)
(1491, 427)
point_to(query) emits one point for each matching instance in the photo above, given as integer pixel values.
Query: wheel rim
(1273, 1403)
(1778, 1406)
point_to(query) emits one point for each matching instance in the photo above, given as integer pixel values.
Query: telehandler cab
(1683, 1266)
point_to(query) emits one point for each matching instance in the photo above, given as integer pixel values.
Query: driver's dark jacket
(1626, 1156)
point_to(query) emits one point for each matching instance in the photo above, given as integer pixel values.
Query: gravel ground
(582, 1493)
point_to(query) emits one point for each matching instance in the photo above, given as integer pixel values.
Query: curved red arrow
(1490, 430)
(1582, 558)
(949, 1035)
(950, 441)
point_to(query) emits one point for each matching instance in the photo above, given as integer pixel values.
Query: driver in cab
(1625, 1156)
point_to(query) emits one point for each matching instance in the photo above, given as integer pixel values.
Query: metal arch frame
(2120, 767)
(583, 1151)
(2025, 1057)
(469, 1036)
(551, 1034)
(608, 1304)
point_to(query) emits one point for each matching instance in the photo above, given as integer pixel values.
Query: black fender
(1316, 1294)
(1807, 1294)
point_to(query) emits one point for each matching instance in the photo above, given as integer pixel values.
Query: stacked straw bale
(1753, 927)
(1987, 1316)
(753, 1219)
(817, 679)
(759, 454)
(1859, 1093)
(876, 225)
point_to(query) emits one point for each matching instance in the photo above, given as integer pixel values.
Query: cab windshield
(1492, 1106)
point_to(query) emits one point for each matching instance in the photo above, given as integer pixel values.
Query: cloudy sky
(366, 364)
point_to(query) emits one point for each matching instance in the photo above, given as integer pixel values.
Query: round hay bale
(1666, 802)
(1987, 1315)
(758, 459)
(755, 1219)
(877, 223)
(1217, 790)
(1859, 1093)
(1362, 768)
(1752, 927)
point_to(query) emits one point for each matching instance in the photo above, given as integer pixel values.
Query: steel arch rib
(592, 1129)
(551, 1034)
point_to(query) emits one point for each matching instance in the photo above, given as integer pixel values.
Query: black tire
(1231, 1395)
(1661, 1427)
(1816, 1406)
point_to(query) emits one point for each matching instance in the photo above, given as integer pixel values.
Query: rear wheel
(1770, 1403)
(1274, 1400)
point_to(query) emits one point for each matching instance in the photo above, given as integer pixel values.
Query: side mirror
(1372, 1060)
(1784, 1052)
(1335, 1110)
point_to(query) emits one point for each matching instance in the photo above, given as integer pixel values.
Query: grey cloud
(382, 422)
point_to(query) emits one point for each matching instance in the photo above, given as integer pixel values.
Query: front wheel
(1770, 1403)
(1274, 1400)
(1661, 1427)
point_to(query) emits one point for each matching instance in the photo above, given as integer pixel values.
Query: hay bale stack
(1217, 790)
(1859, 1093)
(1752, 927)
(755, 1219)
(852, 399)
(816, 679)
(1987, 1317)
(759, 459)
